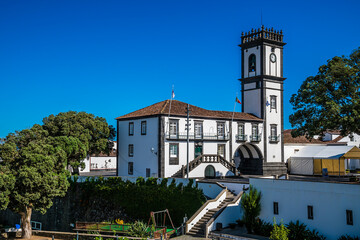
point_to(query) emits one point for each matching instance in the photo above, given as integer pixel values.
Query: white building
(100, 162)
(153, 143)
(332, 209)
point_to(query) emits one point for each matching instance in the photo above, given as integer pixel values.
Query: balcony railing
(255, 138)
(192, 136)
(274, 138)
(241, 137)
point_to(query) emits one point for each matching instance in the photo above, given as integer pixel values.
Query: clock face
(273, 57)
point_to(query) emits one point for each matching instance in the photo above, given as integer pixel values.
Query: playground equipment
(159, 224)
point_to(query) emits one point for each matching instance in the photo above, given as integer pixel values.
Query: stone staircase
(199, 229)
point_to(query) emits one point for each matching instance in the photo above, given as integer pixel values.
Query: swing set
(160, 225)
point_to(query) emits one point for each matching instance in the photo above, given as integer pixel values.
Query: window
(143, 127)
(221, 130)
(174, 128)
(131, 150)
(310, 212)
(276, 208)
(252, 63)
(148, 172)
(272, 102)
(349, 217)
(198, 128)
(221, 150)
(273, 133)
(255, 133)
(174, 154)
(131, 128)
(241, 132)
(130, 168)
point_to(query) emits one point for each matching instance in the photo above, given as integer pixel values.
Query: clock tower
(262, 91)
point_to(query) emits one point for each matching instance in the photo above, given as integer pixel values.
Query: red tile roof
(302, 139)
(179, 109)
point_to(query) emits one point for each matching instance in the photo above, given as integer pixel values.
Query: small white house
(101, 162)
(331, 208)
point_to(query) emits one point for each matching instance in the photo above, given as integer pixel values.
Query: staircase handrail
(236, 200)
(218, 159)
(207, 206)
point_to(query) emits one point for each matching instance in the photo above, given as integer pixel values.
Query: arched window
(252, 63)
(209, 172)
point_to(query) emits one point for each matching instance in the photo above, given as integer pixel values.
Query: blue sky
(113, 57)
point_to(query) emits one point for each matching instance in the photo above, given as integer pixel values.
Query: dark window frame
(276, 208)
(252, 58)
(349, 217)
(131, 168)
(273, 106)
(131, 150)
(310, 210)
(177, 127)
(147, 172)
(174, 160)
(224, 145)
(141, 127)
(223, 130)
(133, 129)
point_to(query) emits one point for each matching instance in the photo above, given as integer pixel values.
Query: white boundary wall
(329, 200)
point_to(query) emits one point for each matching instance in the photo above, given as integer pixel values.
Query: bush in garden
(139, 229)
(250, 203)
(279, 232)
(262, 228)
(298, 231)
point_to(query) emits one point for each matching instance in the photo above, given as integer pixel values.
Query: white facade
(146, 147)
(329, 201)
(100, 162)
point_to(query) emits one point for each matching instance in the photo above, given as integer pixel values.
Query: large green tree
(81, 134)
(329, 100)
(35, 168)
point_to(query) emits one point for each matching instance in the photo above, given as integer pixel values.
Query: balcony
(241, 137)
(200, 137)
(255, 138)
(274, 139)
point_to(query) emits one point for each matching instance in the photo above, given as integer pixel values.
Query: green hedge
(138, 199)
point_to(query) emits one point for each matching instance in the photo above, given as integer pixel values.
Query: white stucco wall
(252, 100)
(273, 69)
(143, 157)
(329, 200)
(102, 163)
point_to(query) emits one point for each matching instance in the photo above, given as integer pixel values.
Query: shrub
(314, 235)
(250, 203)
(298, 231)
(279, 232)
(347, 237)
(139, 229)
(262, 228)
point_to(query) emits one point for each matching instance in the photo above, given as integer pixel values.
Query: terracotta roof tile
(302, 139)
(179, 109)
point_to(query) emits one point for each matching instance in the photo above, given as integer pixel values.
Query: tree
(81, 134)
(250, 203)
(7, 181)
(329, 100)
(36, 169)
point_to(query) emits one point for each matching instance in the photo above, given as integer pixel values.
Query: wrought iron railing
(241, 137)
(255, 138)
(206, 158)
(193, 136)
(274, 138)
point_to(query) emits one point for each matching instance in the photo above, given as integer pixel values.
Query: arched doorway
(209, 171)
(248, 159)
